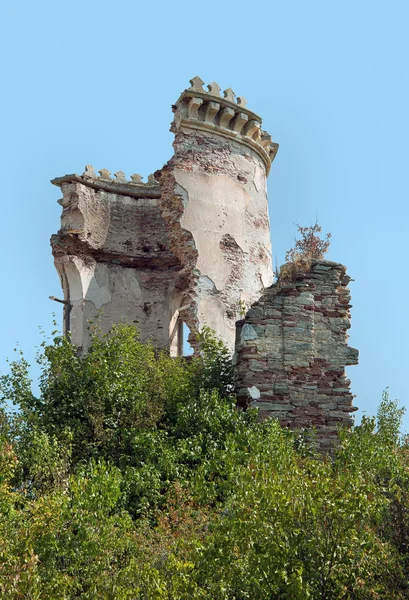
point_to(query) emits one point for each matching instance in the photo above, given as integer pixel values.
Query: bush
(310, 246)
(133, 475)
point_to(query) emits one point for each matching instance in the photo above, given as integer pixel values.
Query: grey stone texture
(293, 348)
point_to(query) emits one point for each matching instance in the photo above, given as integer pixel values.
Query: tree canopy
(133, 475)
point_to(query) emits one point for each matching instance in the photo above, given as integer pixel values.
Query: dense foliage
(133, 476)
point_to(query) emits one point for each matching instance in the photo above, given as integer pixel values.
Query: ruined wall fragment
(292, 350)
(112, 254)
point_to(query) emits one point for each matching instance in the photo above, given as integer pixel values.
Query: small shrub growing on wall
(310, 246)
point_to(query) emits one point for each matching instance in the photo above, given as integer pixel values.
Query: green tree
(133, 475)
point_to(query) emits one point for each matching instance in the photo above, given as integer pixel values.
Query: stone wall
(292, 350)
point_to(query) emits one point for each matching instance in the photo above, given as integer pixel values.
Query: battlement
(225, 116)
(133, 187)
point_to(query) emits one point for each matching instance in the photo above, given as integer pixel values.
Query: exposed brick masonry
(291, 351)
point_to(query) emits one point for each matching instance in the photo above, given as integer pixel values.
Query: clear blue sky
(93, 82)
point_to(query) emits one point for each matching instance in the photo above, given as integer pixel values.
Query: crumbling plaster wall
(214, 200)
(292, 350)
(113, 258)
(218, 223)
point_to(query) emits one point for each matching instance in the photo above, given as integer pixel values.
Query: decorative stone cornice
(227, 116)
(134, 187)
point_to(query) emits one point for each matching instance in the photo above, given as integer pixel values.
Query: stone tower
(192, 245)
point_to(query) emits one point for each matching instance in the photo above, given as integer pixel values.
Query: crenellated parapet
(112, 219)
(118, 184)
(226, 116)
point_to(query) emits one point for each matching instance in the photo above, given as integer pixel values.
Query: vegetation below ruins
(132, 475)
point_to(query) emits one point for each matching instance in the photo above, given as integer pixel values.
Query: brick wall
(292, 350)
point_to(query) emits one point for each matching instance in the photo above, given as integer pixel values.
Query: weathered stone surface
(226, 256)
(304, 382)
(113, 257)
(213, 196)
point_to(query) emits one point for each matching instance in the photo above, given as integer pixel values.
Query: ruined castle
(191, 246)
